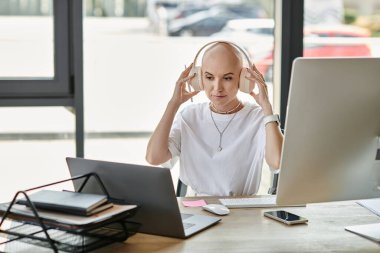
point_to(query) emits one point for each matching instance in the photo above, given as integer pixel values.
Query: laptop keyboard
(184, 216)
(187, 225)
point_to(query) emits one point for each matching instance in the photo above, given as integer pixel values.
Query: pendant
(219, 149)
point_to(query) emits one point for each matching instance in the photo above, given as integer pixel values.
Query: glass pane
(26, 39)
(34, 142)
(134, 51)
(342, 28)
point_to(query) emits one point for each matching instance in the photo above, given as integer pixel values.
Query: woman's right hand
(180, 94)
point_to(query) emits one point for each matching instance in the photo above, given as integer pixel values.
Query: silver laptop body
(151, 188)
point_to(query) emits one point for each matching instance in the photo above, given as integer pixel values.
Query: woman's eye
(228, 78)
(209, 77)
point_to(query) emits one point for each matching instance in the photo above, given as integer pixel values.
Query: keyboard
(184, 216)
(187, 225)
(253, 202)
(249, 202)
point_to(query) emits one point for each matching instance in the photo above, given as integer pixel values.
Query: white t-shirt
(233, 171)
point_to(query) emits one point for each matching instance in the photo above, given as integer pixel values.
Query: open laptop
(151, 188)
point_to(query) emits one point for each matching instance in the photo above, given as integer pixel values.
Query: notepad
(78, 203)
(371, 204)
(194, 203)
(370, 231)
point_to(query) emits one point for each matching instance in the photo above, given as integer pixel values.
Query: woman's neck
(235, 107)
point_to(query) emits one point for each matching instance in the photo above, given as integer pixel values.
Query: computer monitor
(331, 145)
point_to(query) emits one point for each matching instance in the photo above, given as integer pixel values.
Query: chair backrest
(181, 189)
(273, 189)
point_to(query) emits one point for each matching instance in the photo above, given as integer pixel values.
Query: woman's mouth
(219, 96)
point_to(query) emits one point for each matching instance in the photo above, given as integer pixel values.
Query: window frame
(43, 87)
(66, 88)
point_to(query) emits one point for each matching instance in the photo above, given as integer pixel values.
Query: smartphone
(285, 217)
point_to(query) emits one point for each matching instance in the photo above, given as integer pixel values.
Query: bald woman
(221, 144)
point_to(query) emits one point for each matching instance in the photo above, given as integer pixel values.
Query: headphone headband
(245, 85)
(226, 42)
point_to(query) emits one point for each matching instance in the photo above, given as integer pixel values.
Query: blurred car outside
(203, 23)
(234, 27)
(246, 10)
(159, 12)
(212, 20)
(255, 34)
(336, 30)
(188, 9)
(325, 41)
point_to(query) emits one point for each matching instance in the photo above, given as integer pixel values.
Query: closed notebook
(68, 202)
(370, 231)
(371, 204)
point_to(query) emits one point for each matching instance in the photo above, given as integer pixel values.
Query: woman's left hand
(261, 97)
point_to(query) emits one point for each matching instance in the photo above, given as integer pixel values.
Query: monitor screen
(332, 130)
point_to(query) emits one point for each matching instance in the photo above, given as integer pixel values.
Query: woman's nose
(218, 86)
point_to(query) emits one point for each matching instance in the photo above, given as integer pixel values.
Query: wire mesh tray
(39, 231)
(69, 241)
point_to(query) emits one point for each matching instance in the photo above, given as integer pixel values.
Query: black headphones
(245, 85)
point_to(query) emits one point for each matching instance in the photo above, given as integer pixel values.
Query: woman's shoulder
(252, 109)
(194, 109)
(252, 115)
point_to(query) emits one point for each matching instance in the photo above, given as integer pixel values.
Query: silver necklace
(221, 132)
(226, 112)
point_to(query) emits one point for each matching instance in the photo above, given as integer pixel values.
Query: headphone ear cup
(245, 85)
(196, 81)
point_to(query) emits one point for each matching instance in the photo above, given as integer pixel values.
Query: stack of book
(77, 203)
(65, 221)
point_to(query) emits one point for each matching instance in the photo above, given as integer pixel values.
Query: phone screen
(283, 215)
(286, 217)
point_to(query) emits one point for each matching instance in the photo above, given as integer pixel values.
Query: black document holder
(79, 238)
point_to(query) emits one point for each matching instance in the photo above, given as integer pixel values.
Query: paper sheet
(194, 203)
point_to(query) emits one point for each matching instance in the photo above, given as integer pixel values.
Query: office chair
(273, 189)
(181, 189)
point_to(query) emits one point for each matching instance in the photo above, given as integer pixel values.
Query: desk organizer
(32, 229)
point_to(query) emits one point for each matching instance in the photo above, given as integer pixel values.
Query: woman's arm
(273, 147)
(273, 135)
(158, 146)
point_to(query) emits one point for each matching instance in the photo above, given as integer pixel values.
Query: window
(40, 88)
(132, 63)
(341, 28)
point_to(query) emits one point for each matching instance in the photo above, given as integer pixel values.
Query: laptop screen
(151, 188)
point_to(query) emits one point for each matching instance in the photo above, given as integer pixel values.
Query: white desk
(246, 230)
